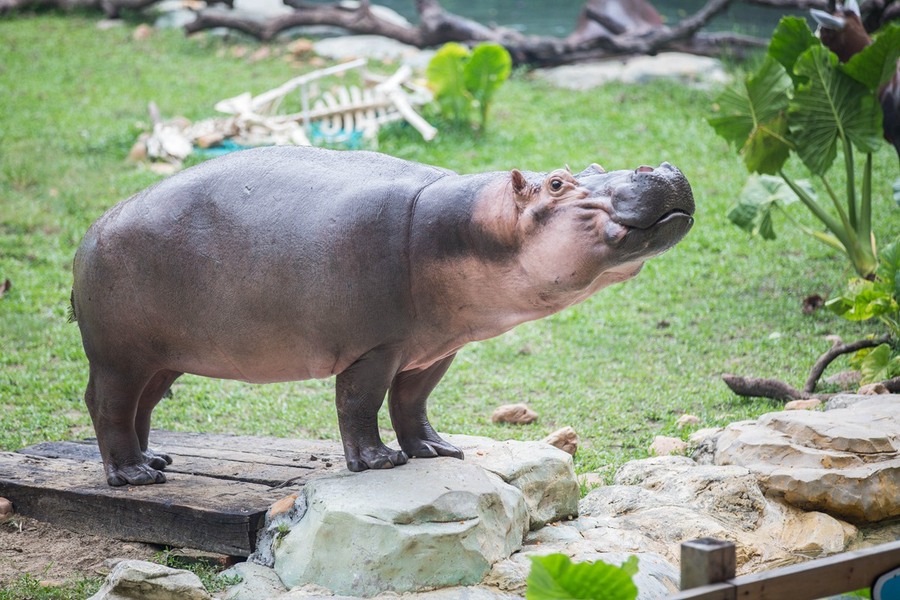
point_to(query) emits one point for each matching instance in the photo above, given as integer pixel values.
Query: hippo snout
(647, 197)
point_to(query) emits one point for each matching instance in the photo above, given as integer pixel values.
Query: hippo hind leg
(153, 392)
(407, 402)
(112, 398)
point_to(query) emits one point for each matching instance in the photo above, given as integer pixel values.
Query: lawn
(619, 368)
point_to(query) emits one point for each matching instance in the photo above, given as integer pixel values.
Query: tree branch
(832, 353)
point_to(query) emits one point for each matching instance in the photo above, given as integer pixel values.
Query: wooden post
(706, 561)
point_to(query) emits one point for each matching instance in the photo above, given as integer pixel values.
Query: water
(558, 18)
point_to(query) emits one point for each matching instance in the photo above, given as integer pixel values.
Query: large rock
(543, 473)
(432, 523)
(139, 580)
(844, 461)
(256, 582)
(658, 503)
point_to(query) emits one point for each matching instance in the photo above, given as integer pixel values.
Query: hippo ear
(522, 190)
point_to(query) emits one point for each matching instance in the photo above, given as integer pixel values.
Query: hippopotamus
(290, 263)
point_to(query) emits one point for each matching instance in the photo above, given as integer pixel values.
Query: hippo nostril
(644, 169)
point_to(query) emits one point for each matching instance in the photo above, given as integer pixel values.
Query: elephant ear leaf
(488, 68)
(761, 195)
(753, 117)
(876, 63)
(829, 107)
(791, 38)
(446, 77)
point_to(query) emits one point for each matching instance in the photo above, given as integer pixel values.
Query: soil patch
(53, 554)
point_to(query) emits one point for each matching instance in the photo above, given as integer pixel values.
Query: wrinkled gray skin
(283, 264)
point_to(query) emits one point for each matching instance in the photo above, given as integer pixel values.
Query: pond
(558, 18)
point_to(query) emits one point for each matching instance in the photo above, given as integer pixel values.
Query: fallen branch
(438, 26)
(753, 387)
(833, 352)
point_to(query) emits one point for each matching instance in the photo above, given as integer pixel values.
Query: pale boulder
(140, 580)
(843, 461)
(366, 533)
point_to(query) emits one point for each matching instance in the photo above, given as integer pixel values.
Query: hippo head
(579, 233)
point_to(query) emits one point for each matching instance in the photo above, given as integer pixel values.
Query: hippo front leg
(407, 402)
(360, 394)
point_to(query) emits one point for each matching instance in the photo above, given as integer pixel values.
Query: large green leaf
(752, 117)
(830, 106)
(555, 577)
(864, 300)
(790, 39)
(879, 364)
(761, 195)
(486, 71)
(446, 77)
(876, 63)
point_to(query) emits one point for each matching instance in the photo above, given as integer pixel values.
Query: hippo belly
(256, 278)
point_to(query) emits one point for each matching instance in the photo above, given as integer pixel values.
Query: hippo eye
(556, 185)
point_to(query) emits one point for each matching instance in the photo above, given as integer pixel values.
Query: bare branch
(832, 353)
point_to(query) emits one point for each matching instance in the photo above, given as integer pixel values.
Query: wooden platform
(217, 491)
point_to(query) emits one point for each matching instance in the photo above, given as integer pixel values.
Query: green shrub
(465, 82)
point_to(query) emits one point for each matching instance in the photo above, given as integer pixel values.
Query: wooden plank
(716, 591)
(188, 510)
(324, 450)
(253, 467)
(822, 577)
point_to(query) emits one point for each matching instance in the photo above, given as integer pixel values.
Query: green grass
(29, 587)
(620, 368)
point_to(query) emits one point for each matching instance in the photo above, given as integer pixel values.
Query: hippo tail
(72, 316)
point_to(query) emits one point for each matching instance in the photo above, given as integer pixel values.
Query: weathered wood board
(217, 491)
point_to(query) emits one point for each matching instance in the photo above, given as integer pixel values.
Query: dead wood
(832, 353)
(642, 35)
(752, 387)
(892, 385)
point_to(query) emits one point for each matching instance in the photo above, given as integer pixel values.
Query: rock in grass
(685, 420)
(515, 414)
(811, 404)
(140, 580)
(565, 439)
(666, 446)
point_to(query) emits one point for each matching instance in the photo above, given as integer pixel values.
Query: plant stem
(819, 235)
(829, 222)
(851, 181)
(848, 223)
(864, 227)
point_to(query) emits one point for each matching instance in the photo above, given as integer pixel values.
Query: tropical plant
(803, 101)
(554, 576)
(878, 298)
(465, 82)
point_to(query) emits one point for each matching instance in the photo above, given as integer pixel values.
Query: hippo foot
(156, 460)
(376, 458)
(430, 447)
(134, 475)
